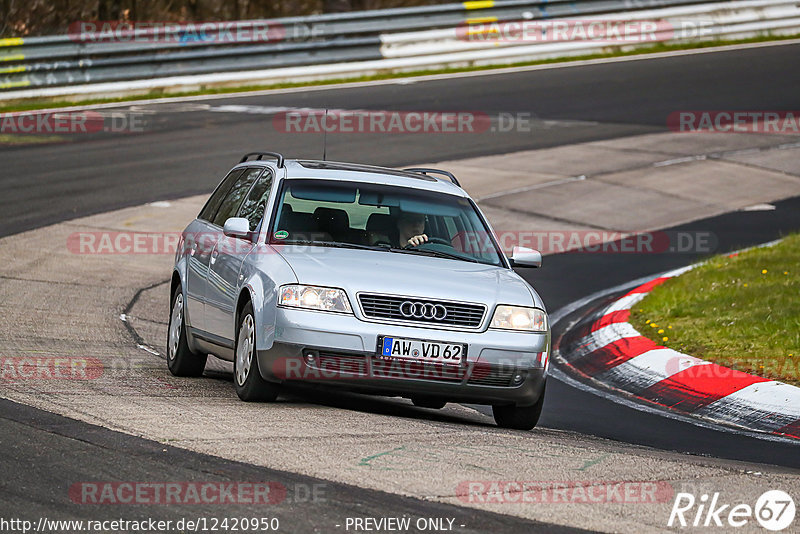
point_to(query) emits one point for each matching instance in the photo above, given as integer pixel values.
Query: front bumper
(341, 351)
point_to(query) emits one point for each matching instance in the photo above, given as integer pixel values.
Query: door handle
(214, 256)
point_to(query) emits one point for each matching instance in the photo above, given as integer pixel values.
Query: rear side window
(256, 202)
(235, 197)
(213, 204)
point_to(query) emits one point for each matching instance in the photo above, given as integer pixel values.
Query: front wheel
(180, 358)
(518, 417)
(246, 376)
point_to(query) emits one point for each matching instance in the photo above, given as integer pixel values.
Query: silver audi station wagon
(376, 280)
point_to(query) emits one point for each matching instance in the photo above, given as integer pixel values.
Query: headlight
(519, 318)
(314, 298)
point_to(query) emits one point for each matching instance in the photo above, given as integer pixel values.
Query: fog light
(311, 358)
(518, 378)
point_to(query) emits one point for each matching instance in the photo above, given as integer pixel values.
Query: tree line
(21, 18)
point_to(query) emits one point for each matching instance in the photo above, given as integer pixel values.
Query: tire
(518, 417)
(428, 402)
(250, 387)
(181, 361)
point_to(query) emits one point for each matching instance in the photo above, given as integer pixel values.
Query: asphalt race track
(187, 148)
(184, 153)
(81, 452)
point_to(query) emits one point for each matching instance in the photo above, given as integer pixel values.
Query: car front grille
(489, 375)
(389, 307)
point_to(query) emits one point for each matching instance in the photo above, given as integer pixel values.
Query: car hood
(407, 274)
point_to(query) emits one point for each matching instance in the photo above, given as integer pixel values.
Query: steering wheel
(432, 241)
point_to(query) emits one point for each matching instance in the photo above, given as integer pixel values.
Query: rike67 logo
(774, 510)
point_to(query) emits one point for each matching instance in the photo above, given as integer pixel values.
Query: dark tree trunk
(337, 6)
(108, 10)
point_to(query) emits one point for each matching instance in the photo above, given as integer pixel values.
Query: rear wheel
(246, 376)
(428, 402)
(518, 417)
(180, 359)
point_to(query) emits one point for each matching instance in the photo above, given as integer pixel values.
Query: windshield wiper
(384, 248)
(438, 253)
(334, 244)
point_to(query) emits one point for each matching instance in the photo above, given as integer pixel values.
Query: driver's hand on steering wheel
(417, 240)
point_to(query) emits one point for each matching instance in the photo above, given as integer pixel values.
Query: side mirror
(525, 257)
(237, 227)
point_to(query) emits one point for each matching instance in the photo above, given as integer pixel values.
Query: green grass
(740, 311)
(44, 103)
(29, 139)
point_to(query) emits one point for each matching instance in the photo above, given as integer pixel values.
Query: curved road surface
(186, 148)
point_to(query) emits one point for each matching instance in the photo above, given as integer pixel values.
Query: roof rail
(260, 155)
(426, 170)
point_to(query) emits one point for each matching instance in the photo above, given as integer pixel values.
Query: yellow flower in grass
(670, 327)
(665, 338)
(647, 321)
(660, 330)
(653, 325)
(763, 271)
(745, 285)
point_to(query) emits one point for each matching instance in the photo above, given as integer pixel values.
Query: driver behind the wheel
(401, 229)
(410, 228)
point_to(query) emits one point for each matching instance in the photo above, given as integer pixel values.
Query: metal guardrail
(672, 24)
(380, 40)
(342, 37)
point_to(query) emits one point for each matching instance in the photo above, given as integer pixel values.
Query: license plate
(427, 351)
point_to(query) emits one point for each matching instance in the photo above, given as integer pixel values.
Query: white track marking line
(676, 161)
(759, 207)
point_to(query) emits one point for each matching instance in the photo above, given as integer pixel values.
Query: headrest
(329, 218)
(381, 223)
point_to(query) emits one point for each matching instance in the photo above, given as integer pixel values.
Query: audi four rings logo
(423, 310)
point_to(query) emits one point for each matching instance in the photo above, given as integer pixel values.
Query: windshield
(381, 217)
